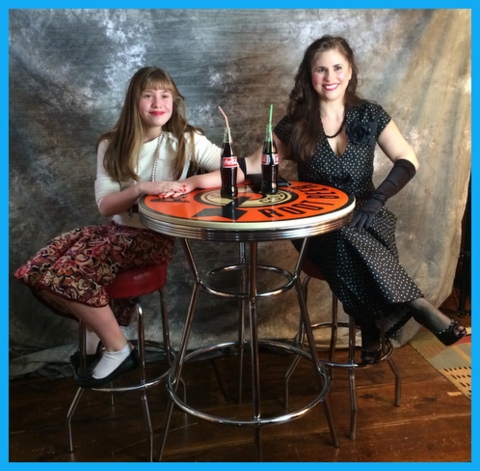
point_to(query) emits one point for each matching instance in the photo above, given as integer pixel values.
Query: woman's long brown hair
(126, 138)
(304, 102)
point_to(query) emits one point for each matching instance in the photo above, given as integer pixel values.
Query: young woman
(331, 133)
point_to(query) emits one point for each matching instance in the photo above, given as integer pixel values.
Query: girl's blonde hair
(126, 138)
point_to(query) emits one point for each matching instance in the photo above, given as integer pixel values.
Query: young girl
(148, 152)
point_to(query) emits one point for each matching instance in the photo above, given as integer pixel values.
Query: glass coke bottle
(229, 167)
(269, 164)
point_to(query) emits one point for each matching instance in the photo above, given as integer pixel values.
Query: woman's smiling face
(330, 74)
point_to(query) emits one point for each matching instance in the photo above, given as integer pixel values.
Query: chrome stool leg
(387, 352)
(71, 411)
(82, 342)
(144, 398)
(352, 334)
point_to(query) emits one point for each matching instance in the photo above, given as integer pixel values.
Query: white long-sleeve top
(207, 156)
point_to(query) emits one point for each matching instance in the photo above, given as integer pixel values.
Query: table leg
(322, 377)
(241, 326)
(173, 378)
(252, 292)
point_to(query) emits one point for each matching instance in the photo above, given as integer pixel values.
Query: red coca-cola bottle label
(229, 162)
(267, 159)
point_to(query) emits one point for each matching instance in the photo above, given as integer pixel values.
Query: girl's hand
(174, 189)
(165, 189)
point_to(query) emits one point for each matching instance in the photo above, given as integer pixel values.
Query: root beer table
(299, 211)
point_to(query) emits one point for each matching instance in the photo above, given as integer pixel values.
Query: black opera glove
(363, 216)
(402, 172)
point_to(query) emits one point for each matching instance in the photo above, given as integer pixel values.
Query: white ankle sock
(110, 361)
(92, 342)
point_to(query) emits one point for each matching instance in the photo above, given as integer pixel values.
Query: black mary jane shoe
(86, 380)
(90, 359)
(371, 357)
(451, 334)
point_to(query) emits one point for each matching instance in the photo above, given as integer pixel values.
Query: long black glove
(402, 172)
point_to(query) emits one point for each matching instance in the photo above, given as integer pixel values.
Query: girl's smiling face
(155, 107)
(330, 74)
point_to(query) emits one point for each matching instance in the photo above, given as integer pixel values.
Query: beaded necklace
(339, 131)
(156, 156)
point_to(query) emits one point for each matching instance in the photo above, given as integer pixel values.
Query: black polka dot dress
(361, 266)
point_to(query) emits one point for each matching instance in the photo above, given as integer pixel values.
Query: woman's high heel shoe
(451, 334)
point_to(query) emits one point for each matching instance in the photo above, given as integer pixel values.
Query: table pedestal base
(249, 297)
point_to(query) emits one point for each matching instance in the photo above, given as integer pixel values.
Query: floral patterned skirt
(78, 265)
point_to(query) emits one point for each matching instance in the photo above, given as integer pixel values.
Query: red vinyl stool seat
(311, 271)
(138, 282)
(134, 283)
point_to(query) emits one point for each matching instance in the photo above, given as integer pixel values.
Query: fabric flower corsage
(362, 134)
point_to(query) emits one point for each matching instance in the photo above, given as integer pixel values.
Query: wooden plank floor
(433, 423)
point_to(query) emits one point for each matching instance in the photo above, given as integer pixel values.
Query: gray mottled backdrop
(68, 75)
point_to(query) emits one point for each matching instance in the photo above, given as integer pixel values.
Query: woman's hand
(365, 214)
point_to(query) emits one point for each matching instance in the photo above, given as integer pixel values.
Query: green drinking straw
(271, 114)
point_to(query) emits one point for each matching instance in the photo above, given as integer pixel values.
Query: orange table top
(297, 211)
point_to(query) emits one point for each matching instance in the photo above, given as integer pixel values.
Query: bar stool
(133, 283)
(312, 272)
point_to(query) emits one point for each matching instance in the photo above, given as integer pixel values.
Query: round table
(299, 211)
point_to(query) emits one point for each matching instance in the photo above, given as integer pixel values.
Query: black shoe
(451, 334)
(371, 357)
(86, 380)
(76, 357)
